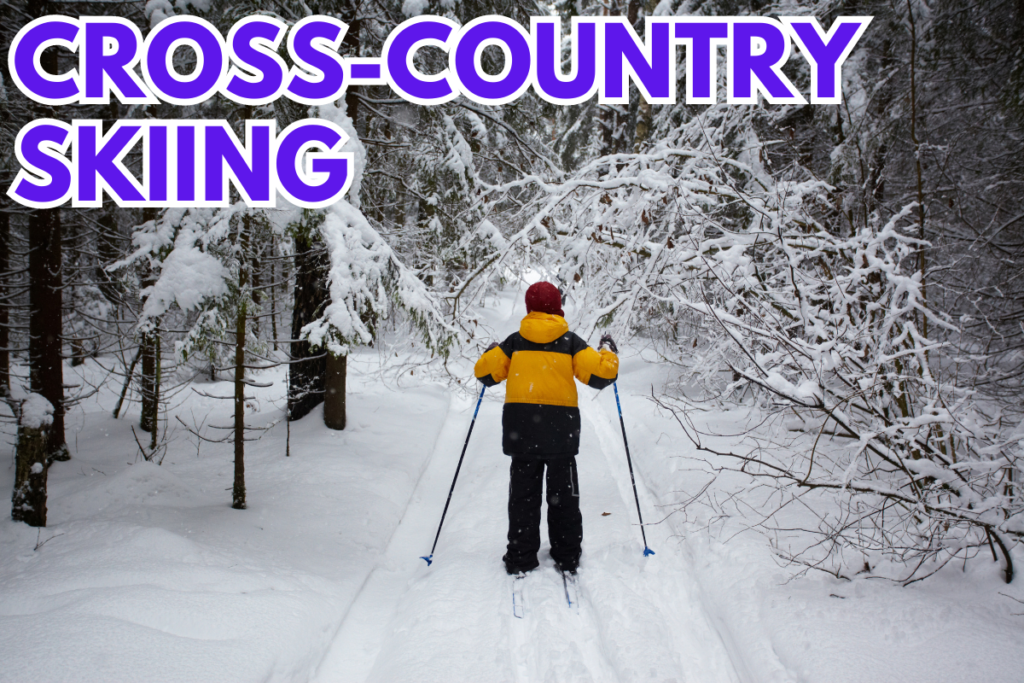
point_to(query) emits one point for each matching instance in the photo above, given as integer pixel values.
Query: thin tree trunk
(350, 15)
(257, 298)
(334, 395)
(238, 490)
(107, 249)
(917, 164)
(154, 418)
(5, 337)
(148, 381)
(633, 12)
(608, 119)
(643, 124)
(273, 301)
(644, 112)
(149, 345)
(77, 352)
(306, 377)
(127, 383)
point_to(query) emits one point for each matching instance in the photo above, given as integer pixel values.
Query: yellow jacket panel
(541, 417)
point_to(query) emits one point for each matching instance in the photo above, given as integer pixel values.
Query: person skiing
(541, 425)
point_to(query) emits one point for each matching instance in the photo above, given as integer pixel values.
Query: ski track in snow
(360, 635)
(638, 620)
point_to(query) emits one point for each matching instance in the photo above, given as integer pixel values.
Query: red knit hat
(544, 297)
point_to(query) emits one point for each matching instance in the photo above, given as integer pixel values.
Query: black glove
(607, 341)
(493, 345)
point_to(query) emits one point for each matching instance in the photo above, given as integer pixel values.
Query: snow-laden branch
(367, 282)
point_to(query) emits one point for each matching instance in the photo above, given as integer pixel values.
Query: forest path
(640, 618)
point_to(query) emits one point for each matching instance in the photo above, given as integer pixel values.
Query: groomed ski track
(641, 619)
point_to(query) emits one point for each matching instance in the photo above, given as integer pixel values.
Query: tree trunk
(107, 250)
(306, 372)
(608, 113)
(46, 372)
(257, 297)
(77, 352)
(922, 320)
(148, 383)
(334, 396)
(154, 418)
(273, 301)
(107, 247)
(5, 337)
(127, 383)
(28, 503)
(149, 350)
(645, 113)
(643, 124)
(350, 15)
(238, 489)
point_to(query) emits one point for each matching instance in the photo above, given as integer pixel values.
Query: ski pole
(647, 551)
(429, 559)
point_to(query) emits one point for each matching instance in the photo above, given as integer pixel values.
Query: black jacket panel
(540, 431)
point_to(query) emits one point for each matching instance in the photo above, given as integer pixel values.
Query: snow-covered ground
(146, 574)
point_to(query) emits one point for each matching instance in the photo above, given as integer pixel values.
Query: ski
(518, 603)
(570, 582)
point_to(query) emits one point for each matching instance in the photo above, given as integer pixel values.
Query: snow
(158, 10)
(366, 275)
(477, 124)
(338, 115)
(414, 8)
(491, 235)
(189, 277)
(36, 412)
(146, 574)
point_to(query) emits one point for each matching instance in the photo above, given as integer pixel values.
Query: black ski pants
(565, 523)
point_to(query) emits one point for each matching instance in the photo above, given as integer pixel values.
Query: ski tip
(429, 559)
(647, 552)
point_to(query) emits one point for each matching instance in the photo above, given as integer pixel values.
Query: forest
(825, 302)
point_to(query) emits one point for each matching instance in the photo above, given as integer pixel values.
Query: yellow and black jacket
(541, 417)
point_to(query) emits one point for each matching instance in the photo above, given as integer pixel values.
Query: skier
(541, 425)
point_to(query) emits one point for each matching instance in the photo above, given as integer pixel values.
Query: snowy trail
(640, 618)
(146, 573)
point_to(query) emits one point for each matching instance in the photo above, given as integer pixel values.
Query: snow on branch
(830, 329)
(367, 282)
(696, 246)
